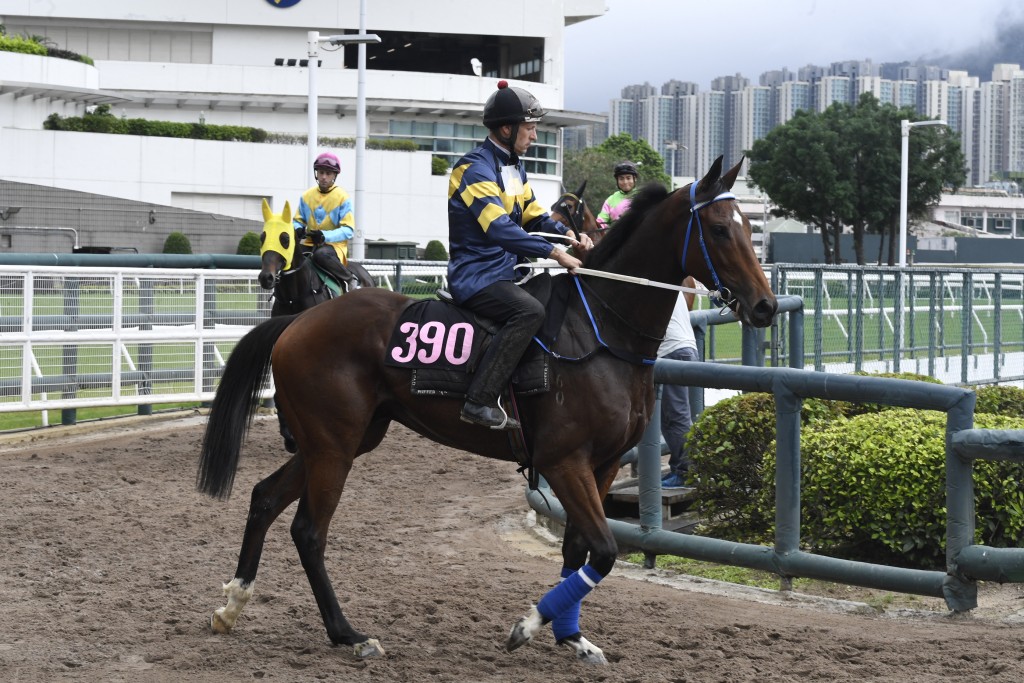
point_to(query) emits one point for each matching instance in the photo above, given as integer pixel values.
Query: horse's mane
(646, 198)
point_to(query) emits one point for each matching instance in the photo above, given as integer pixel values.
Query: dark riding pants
(521, 315)
(675, 416)
(327, 259)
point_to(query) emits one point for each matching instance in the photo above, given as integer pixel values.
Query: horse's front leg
(561, 605)
(269, 499)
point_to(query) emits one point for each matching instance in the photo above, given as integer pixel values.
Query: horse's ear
(286, 215)
(730, 176)
(713, 174)
(267, 213)
(583, 187)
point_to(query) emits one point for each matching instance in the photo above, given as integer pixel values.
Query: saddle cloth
(442, 345)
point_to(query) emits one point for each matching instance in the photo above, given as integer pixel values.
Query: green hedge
(727, 447)
(37, 45)
(1000, 399)
(23, 45)
(249, 245)
(874, 488)
(177, 243)
(102, 121)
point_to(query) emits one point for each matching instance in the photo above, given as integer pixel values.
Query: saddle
(336, 287)
(442, 344)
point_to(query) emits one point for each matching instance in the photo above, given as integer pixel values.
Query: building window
(452, 140)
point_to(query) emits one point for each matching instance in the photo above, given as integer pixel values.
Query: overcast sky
(659, 40)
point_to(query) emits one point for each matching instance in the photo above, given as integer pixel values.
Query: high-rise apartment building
(691, 128)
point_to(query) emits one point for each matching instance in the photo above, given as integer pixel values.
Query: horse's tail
(238, 396)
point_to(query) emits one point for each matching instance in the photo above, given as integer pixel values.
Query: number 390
(428, 342)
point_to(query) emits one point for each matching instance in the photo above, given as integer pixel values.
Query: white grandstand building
(227, 62)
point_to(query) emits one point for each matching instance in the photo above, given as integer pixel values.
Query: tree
(249, 245)
(795, 166)
(842, 168)
(435, 251)
(177, 243)
(597, 165)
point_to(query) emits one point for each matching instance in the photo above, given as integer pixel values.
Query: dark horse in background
(296, 282)
(290, 274)
(572, 211)
(340, 407)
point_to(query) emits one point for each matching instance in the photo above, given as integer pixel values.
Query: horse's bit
(575, 216)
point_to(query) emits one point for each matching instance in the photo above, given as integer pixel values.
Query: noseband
(574, 216)
(722, 296)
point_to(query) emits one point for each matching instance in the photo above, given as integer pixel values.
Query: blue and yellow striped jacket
(487, 209)
(330, 212)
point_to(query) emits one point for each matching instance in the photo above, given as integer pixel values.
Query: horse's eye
(720, 231)
(286, 239)
(263, 238)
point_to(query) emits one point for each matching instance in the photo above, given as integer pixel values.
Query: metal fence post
(69, 352)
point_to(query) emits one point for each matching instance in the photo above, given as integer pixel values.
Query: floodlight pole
(313, 40)
(905, 126)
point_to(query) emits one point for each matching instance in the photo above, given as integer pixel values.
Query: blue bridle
(721, 296)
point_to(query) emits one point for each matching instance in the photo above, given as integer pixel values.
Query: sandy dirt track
(111, 563)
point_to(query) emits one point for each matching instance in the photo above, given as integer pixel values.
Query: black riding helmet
(626, 168)
(510, 106)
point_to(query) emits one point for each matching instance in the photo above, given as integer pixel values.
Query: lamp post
(673, 146)
(313, 40)
(905, 126)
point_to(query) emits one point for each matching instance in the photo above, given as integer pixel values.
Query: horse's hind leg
(269, 499)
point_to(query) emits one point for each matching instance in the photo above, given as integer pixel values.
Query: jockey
(324, 222)
(617, 203)
(489, 205)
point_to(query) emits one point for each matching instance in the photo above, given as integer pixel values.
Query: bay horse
(340, 406)
(289, 273)
(571, 210)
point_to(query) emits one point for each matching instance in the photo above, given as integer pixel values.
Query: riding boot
(492, 376)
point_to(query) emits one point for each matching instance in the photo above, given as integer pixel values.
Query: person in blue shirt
(491, 214)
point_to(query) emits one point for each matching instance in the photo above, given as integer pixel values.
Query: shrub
(438, 166)
(249, 245)
(1002, 400)
(435, 251)
(177, 243)
(851, 409)
(727, 447)
(874, 488)
(22, 45)
(101, 120)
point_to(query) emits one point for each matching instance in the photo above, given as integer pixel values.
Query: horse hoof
(524, 630)
(587, 652)
(371, 647)
(218, 625)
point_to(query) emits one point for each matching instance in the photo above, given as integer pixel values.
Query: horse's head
(717, 249)
(277, 245)
(571, 210)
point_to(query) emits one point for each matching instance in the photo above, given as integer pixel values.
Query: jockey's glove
(300, 233)
(317, 236)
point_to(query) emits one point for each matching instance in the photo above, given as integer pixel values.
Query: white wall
(403, 201)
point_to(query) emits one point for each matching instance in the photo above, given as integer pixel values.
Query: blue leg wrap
(567, 623)
(568, 593)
